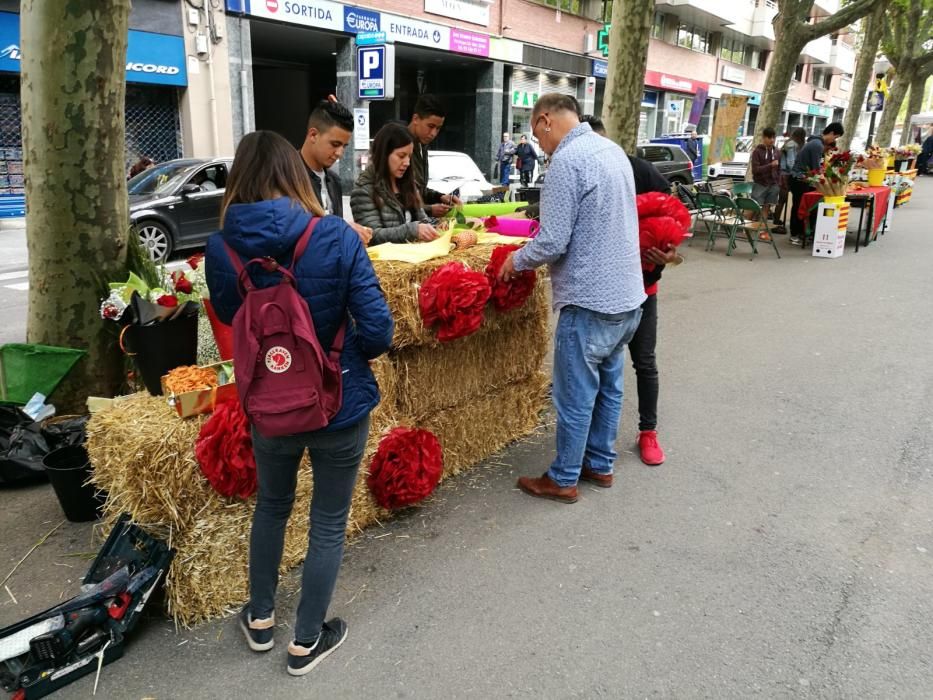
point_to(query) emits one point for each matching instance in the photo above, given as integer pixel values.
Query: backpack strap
(303, 241)
(242, 276)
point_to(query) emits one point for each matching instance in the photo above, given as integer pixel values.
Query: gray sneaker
(302, 660)
(795, 241)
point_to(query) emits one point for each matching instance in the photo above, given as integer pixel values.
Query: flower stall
(463, 380)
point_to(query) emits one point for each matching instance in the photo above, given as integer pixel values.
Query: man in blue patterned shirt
(589, 238)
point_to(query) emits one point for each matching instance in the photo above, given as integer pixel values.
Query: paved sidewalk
(784, 550)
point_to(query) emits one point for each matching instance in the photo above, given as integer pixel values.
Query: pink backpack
(285, 381)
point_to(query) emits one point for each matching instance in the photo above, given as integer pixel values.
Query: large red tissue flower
(406, 468)
(224, 449)
(514, 293)
(663, 221)
(453, 298)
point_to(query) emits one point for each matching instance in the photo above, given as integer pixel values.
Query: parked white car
(451, 170)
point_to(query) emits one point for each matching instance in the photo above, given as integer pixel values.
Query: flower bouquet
(159, 319)
(832, 179)
(907, 152)
(875, 158)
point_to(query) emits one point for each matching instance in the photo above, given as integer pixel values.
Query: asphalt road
(784, 550)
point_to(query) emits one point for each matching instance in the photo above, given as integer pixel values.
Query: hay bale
(477, 395)
(429, 379)
(401, 282)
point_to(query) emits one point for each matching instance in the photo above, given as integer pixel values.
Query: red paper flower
(182, 283)
(453, 298)
(168, 300)
(406, 468)
(513, 294)
(224, 450)
(663, 221)
(195, 260)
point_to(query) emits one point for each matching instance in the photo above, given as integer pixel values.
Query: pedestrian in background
(597, 288)
(644, 343)
(386, 197)
(526, 156)
(141, 165)
(788, 157)
(809, 158)
(426, 123)
(766, 174)
(504, 158)
(267, 207)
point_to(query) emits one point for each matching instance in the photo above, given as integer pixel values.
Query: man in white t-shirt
(330, 129)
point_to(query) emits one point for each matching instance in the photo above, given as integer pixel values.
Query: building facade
(198, 78)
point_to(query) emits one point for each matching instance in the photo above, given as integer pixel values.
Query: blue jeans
(335, 460)
(589, 353)
(505, 169)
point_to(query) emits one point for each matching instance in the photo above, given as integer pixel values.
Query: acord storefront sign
(150, 58)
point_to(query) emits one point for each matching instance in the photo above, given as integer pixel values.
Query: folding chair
(683, 193)
(755, 227)
(705, 213)
(726, 221)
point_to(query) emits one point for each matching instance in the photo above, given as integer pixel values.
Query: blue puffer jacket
(334, 276)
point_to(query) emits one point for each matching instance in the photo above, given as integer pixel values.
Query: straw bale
(471, 432)
(430, 379)
(401, 282)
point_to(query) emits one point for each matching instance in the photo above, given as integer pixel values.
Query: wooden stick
(34, 548)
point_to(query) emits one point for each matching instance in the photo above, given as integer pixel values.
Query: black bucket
(68, 469)
(161, 347)
(532, 195)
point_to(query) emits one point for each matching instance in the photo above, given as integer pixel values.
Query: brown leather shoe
(602, 480)
(544, 487)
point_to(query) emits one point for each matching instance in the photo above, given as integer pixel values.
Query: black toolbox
(68, 641)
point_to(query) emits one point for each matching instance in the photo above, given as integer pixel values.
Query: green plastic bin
(27, 368)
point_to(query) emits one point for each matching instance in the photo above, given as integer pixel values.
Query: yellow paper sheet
(488, 238)
(411, 252)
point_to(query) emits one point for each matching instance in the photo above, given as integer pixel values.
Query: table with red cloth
(874, 198)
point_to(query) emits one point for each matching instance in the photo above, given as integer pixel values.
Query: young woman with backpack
(268, 210)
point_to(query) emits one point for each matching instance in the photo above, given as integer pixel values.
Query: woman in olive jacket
(386, 197)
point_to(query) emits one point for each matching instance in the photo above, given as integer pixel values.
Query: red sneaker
(649, 449)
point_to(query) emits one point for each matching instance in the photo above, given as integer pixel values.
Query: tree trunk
(792, 33)
(73, 92)
(892, 105)
(864, 70)
(625, 82)
(780, 72)
(914, 103)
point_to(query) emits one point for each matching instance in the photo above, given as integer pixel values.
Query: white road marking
(14, 275)
(19, 287)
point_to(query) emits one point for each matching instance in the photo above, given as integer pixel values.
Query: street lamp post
(881, 67)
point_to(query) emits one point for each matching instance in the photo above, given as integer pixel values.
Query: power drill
(55, 646)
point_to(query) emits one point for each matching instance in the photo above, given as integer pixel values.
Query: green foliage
(138, 261)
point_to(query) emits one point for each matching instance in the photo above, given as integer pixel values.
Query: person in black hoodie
(644, 343)
(809, 158)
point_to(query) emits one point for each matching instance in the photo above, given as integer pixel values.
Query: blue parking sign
(376, 72)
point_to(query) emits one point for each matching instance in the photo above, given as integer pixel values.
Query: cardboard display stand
(829, 239)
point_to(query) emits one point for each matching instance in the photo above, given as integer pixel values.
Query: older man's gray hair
(554, 102)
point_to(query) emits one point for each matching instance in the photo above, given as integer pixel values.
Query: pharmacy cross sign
(602, 40)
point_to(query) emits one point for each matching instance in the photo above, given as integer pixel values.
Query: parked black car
(176, 204)
(670, 159)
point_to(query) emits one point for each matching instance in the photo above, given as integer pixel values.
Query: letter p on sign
(370, 64)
